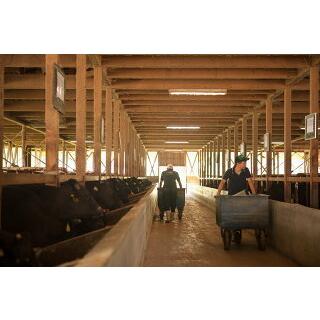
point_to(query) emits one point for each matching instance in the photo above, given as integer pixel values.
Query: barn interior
(127, 116)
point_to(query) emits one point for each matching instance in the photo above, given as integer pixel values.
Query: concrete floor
(196, 242)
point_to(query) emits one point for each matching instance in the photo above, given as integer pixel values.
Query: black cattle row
(300, 191)
(38, 215)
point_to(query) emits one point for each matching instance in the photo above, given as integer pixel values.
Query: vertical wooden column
(23, 146)
(51, 119)
(228, 148)
(63, 154)
(223, 158)
(108, 129)
(244, 131)
(116, 137)
(314, 143)
(218, 158)
(122, 141)
(1, 130)
(269, 130)
(210, 161)
(214, 162)
(97, 116)
(236, 140)
(205, 165)
(287, 143)
(254, 143)
(199, 165)
(81, 110)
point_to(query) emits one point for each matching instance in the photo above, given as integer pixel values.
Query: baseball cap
(241, 158)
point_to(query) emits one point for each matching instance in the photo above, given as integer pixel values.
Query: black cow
(104, 194)
(50, 214)
(16, 250)
(121, 189)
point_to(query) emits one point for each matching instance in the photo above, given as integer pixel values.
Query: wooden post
(51, 118)
(218, 158)
(223, 146)
(254, 143)
(97, 116)
(1, 131)
(23, 146)
(81, 100)
(314, 144)
(108, 129)
(122, 141)
(214, 159)
(287, 143)
(64, 154)
(228, 148)
(236, 142)
(116, 111)
(269, 130)
(244, 131)
(210, 161)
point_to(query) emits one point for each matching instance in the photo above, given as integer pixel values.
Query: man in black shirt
(237, 177)
(169, 178)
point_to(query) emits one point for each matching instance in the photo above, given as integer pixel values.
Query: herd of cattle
(300, 191)
(39, 215)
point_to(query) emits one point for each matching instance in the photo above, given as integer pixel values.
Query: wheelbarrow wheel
(226, 239)
(237, 236)
(261, 239)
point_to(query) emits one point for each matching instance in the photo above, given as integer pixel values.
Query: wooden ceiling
(141, 82)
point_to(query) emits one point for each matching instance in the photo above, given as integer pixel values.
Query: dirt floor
(196, 242)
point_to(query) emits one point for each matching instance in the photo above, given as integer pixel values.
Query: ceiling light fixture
(183, 127)
(198, 92)
(177, 142)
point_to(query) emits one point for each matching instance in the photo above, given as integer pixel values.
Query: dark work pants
(170, 196)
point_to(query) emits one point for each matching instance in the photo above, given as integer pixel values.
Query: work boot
(161, 216)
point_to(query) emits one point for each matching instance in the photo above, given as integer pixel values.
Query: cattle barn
(86, 138)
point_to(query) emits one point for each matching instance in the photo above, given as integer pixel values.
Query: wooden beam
(236, 139)
(269, 130)
(199, 84)
(116, 114)
(23, 145)
(205, 61)
(51, 118)
(218, 158)
(81, 151)
(228, 148)
(223, 158)
(196, 73)
(97, 116)
(1, 133)
(314, 143)
(287, 143)
(254, 143)
(108, 129)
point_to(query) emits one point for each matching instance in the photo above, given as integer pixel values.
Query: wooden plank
(223, 158)
(116, 114)
(97, 116)
(1, 132)
(23, 145)
(122, 141)
(210, 160)
(244, 129)
(81, 152)
(205, 61)
(51, 118)
(255, 144)
(269, 130)
(108, 116)
(196, 73)
(199, 84)
(314, 143)
(228, 148)
(287, 143)
(236, 138)
(218, 157)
